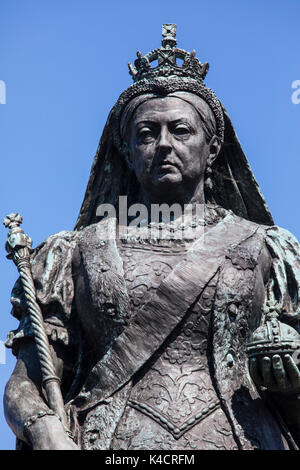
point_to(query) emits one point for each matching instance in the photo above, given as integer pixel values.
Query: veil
(234, 185)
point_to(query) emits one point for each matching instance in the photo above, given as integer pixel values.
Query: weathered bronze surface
(178, 333)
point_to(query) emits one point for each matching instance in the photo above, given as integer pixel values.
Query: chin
(167, 179)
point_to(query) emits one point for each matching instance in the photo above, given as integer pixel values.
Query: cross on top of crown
(169, 30)
(169, 35)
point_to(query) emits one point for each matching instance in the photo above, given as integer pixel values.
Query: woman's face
(168, 147)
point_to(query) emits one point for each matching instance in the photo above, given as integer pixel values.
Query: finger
(292, 370)
(254, 371)
(279, 372)
(267, 372)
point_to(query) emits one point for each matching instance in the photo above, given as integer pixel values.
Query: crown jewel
(167, 57)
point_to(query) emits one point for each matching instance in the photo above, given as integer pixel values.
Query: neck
(172, 206)
(171, 196)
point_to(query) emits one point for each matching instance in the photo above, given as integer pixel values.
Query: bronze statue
(165, 334)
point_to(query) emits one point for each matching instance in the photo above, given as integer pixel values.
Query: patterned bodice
(145, 269)
(175, 391)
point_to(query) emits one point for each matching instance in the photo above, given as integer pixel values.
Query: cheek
(142, 159)
(193, 155)
(201, 153)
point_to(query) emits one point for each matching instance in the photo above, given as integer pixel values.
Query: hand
(279, 375)
(47, 433)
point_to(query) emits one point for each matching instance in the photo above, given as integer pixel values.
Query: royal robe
(112, 352)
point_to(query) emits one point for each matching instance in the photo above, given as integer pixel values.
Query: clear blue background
(64, 63)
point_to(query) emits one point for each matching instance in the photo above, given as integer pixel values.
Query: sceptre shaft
(18, 246)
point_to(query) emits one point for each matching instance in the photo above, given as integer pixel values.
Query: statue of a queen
(183, 338)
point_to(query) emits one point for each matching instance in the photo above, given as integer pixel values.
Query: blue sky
(64, 63)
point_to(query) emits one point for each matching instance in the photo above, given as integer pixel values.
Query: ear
(214, 149)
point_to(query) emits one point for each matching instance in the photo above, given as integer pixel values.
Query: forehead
(165, 109)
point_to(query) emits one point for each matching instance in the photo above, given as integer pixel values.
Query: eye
(145, 135)
(182, 130)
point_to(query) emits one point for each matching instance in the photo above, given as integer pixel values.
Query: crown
(167, 57)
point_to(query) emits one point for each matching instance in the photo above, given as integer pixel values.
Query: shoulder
(282, 237)
(51, 266)
(271, 234)
(245, 229)
(282, 244)
(60, 242)
(103, 230)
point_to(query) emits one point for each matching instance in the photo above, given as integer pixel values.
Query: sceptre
(18, 246)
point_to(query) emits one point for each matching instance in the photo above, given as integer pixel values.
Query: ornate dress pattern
(194, 391)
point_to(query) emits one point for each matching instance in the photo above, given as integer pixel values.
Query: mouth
(166, 164)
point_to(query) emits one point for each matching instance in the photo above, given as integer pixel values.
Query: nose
(164, 141)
